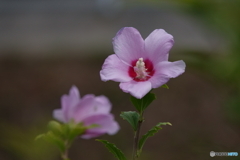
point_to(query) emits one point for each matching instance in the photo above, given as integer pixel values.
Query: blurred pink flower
(88, 110)
(140, 65)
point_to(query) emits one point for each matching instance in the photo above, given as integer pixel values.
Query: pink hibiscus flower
(140, 65)
(89, 110)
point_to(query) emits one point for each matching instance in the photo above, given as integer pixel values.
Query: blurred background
(46, 46)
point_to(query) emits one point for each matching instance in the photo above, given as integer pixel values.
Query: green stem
(136, 137)
(64, 154)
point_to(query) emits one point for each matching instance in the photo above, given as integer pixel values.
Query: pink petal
(103, 103)
(58, 115)
(84, 108)
(128, 45)
(158, 80)
(166, 70)
(172, 69)
(69, 102)
(91, 105)
(89, 135)
(136, 89)
(114, 69)
(106, 125)
(158, 44)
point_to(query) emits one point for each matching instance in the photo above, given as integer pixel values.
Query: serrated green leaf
(113, 149)
(132, 117)
(165, 86)
(142, 104)
(150, 133)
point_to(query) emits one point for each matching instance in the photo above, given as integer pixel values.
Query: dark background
(48, 46)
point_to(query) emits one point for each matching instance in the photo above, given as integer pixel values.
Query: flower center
(140, 70)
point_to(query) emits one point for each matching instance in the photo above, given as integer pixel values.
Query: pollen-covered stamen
(140, 69)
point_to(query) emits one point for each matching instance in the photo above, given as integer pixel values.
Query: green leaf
(142, 104)
(66, 130)
(56, 140)
(150, 133)
(55, 127)
(165, 86)
(40, 136)
(132, 117)
(93, 126)
(75, 130)
(113, 149)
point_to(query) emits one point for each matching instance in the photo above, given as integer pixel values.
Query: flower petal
(128, 45)
(69, 102)
(172, 69)
(106, 125)
(136, 89)
(158, 80)
(103, 103)
(114, 69)
(166, 70)
(91, 105)
(158, 44)
(84, 108)
(58, 115)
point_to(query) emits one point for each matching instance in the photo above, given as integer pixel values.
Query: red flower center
(141, 70)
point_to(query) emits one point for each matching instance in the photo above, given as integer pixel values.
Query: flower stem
(136, 138)
(64, 154)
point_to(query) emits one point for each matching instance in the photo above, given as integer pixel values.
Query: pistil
(140, 69)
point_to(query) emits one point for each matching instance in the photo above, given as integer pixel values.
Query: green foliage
(55, 127)
(132, 117)
(150, 133)
(113, 149)
(165, 86)
(19, 143)
(73, 130)
(62, 135)
(54, 139)
(142, 104)
(40, 136)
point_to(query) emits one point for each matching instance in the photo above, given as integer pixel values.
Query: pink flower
(140, 65)
(88, 110)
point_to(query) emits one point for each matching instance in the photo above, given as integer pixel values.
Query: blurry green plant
(62, 135)
(19, 143)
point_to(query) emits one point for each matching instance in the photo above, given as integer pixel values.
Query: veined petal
(106, 125)
(69, 102)
(128, 44)
(136, 89)
(166, 70)
(114, 69)
(158, 44)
